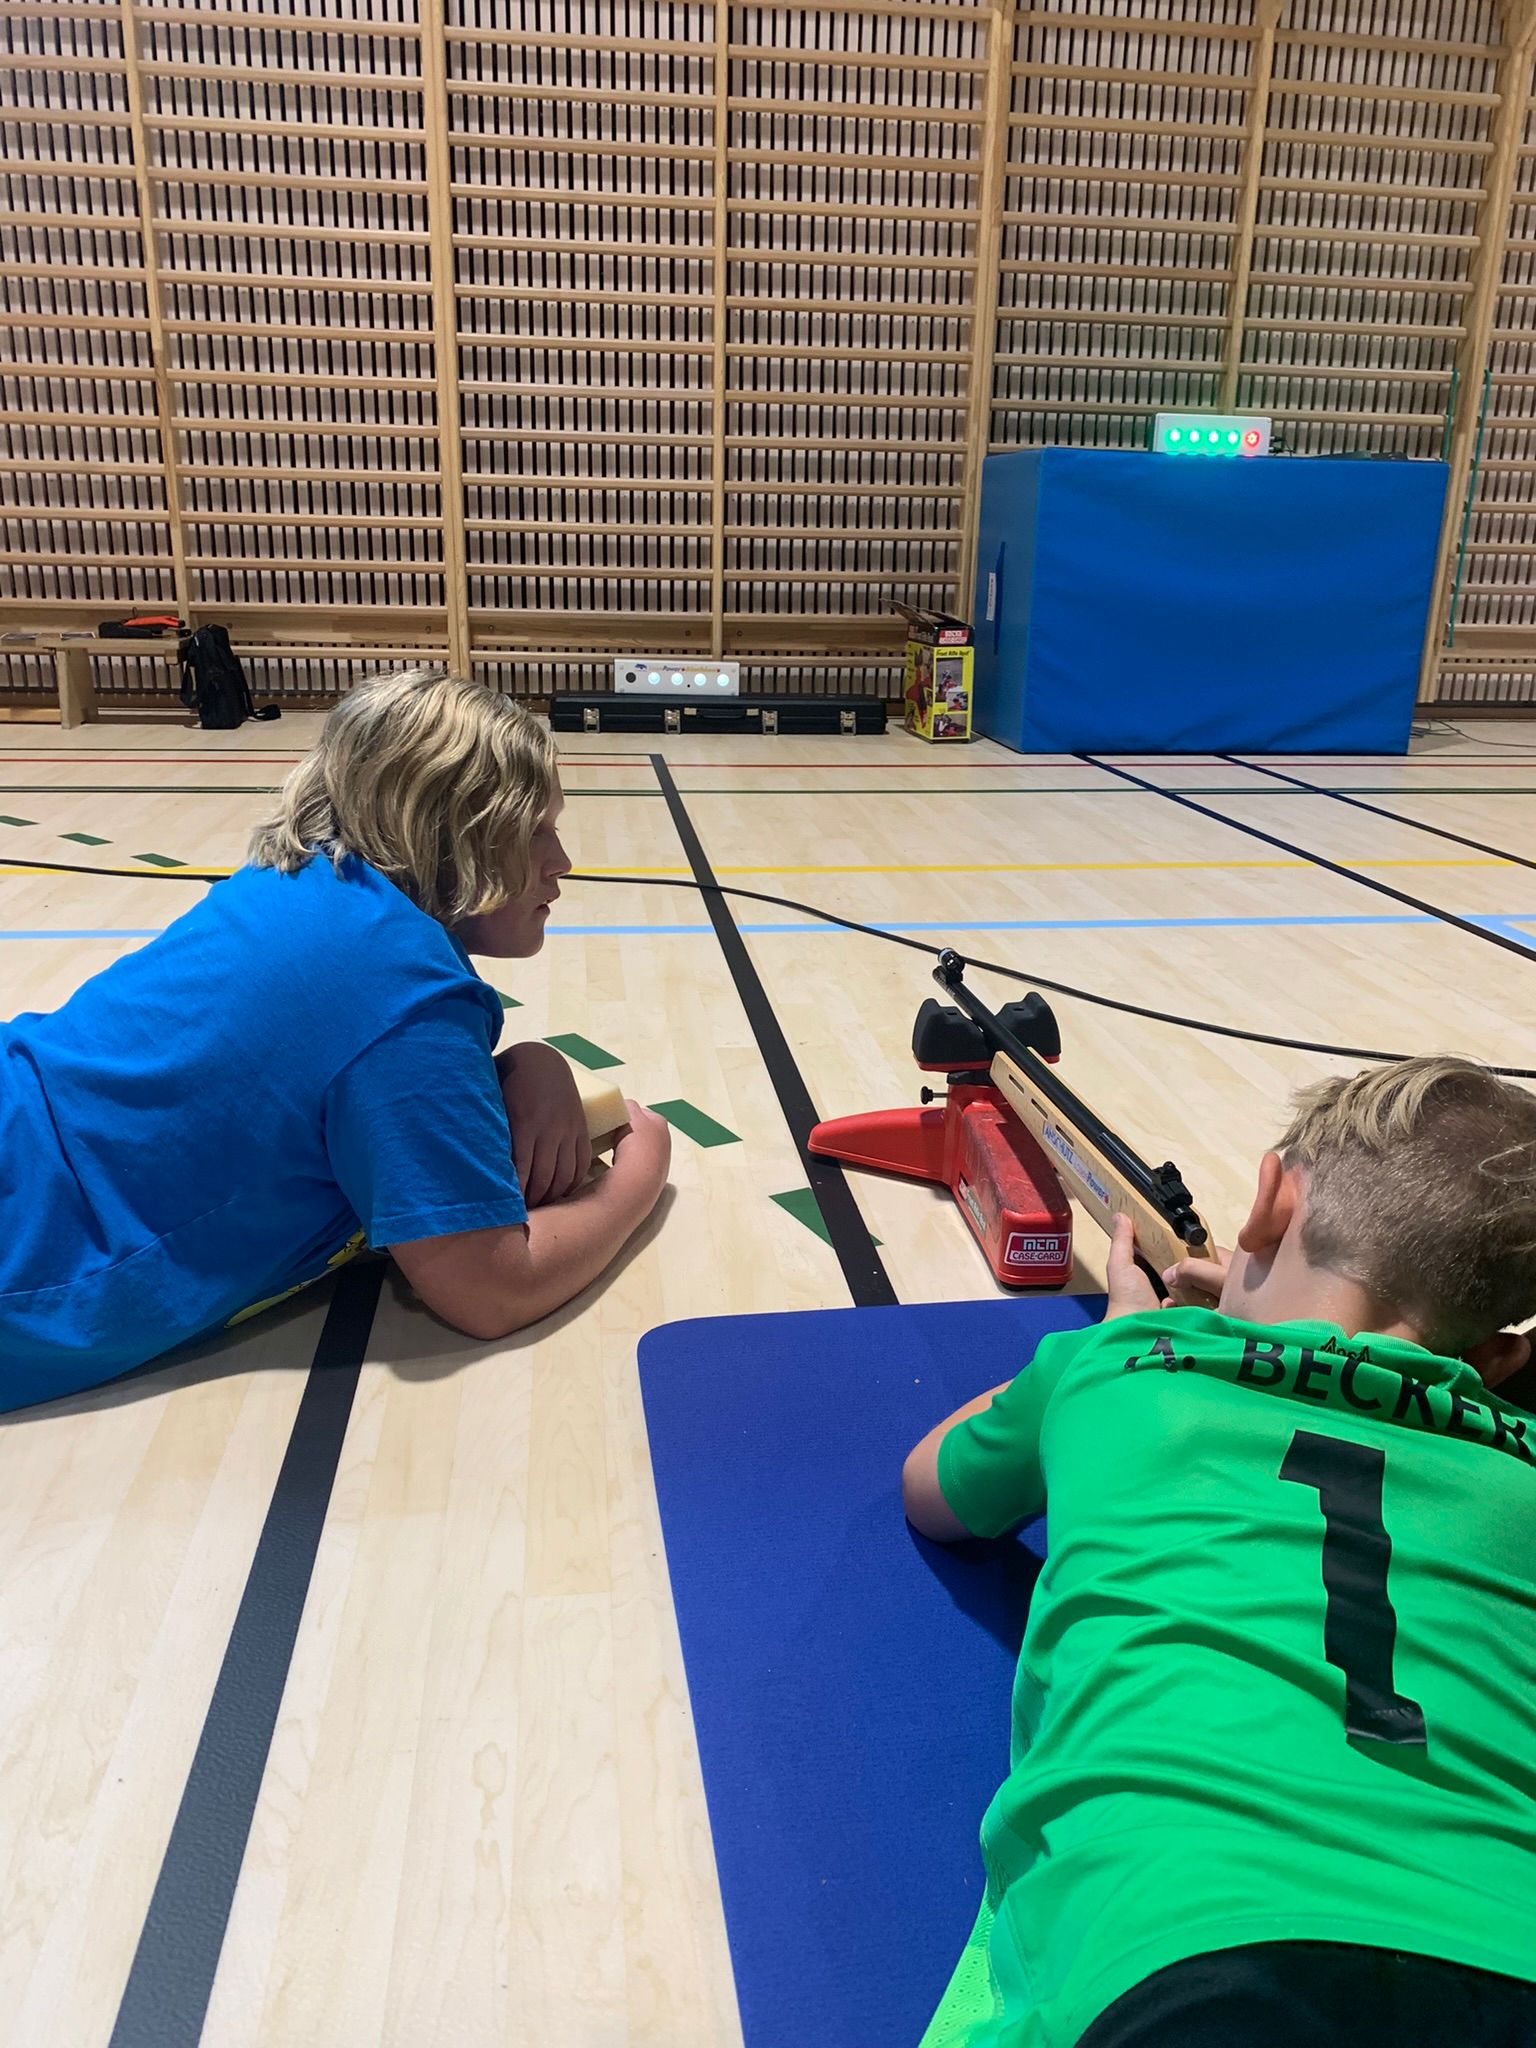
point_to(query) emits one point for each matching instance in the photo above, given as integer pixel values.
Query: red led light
(1251, 439)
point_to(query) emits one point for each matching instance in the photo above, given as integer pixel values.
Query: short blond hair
(1421, 1188)
(435, 781)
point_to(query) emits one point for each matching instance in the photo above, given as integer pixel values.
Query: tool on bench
(1012, 1141)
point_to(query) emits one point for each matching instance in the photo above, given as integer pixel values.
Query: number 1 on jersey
(1359, 1626)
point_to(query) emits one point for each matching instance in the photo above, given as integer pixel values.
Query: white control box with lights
(1210, 433)
(649, 675)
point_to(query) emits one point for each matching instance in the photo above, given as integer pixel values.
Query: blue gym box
(1165, 604)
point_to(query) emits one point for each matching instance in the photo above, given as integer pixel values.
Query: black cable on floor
(1490, 746)
(1028, 977)
(870, 931)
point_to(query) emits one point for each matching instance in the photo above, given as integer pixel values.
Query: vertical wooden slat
(1513, 84)
(445, 328)
(154, 313)
(989, 233)
(720, 265)
(1266, 20)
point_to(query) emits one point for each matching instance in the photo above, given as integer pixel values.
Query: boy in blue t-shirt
(306, 1062)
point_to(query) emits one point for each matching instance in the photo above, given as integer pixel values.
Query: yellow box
(938, 691)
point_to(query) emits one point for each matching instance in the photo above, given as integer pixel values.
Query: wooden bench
(72, 648)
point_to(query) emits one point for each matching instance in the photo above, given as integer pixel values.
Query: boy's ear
(1499, 1357)
(1274, 1208)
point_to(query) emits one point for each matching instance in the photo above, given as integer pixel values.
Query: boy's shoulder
(1203, 1339)
(346, 907)
(345, 936)
(1311, 1367)
(348, 887)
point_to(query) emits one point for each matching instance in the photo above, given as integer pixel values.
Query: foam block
(603, 1102)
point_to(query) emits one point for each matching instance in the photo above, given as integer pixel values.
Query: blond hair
(435, 781)
(1421, 1188)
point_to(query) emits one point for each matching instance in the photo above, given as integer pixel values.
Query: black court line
(165, 2001)
(1318, 860)
(863, 1268)
(1355, 803)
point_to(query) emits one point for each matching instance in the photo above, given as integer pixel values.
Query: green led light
(1232, 438)
(1174, 435)
(1194, 434)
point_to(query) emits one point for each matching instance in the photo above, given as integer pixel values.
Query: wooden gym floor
(480, 1818)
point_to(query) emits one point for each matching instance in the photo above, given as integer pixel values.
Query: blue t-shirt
(210, 1121)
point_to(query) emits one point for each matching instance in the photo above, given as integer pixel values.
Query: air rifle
(1098, 1168)
(1012, 1140)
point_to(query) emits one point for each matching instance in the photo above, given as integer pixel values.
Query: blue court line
(1507, 923)
(1507, 927)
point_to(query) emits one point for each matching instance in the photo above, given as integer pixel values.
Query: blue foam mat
(849, 1682)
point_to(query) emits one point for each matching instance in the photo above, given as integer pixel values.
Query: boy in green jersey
(1273, 1775)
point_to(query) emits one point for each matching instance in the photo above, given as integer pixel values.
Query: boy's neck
(1347, 1307)
(1292, 1291)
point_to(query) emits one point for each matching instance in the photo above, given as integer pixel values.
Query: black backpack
(213, 683)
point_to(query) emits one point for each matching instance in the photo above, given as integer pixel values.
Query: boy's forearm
(489, 1283)
(571, 1242)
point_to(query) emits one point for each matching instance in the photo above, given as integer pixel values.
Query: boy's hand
(1131, 1293)
(644, 1151)
(550, 1146)
(1197, 1283)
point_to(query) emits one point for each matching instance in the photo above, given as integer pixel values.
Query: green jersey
(1278, 1677)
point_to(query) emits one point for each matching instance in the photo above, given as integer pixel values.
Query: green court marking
(85, 839)
(157, 860)
(801, 1204)
(17, 821)
(693, 1123)
(506, 1002)
(583, 1051)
